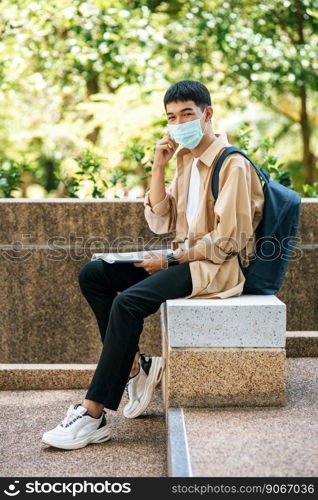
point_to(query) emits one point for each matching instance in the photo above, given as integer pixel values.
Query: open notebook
(138, 256)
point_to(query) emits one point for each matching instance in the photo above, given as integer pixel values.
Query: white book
(138, 256)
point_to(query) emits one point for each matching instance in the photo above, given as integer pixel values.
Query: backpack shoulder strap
(263, 174)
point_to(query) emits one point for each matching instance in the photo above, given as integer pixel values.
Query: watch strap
(172, 261)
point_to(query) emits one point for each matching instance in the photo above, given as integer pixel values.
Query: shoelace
(71, 417)
(142, 356)
(126, 387)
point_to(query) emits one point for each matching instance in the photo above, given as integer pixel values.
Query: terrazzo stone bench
(224, 352)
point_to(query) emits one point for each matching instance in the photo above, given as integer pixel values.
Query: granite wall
(44, 243)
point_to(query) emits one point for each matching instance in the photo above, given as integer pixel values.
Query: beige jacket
(219, 232)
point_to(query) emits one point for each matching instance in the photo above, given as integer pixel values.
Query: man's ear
(210, 109)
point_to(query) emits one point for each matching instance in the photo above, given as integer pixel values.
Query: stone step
(302, 344)
(137, 447)
(14, 376)
(250, 442)
(17, 376)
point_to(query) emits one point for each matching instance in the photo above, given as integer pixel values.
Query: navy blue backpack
(275, 234)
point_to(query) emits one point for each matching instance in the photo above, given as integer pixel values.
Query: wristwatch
(172, 261)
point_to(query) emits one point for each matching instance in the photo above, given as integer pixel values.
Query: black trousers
(120, 316)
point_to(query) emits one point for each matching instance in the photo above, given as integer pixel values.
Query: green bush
(92, 170)
(11, 177)
(310, 191)
(262, 155)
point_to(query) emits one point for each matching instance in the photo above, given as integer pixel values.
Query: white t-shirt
(193, 197)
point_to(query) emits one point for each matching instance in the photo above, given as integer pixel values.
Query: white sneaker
(140, 388)
(78, 429)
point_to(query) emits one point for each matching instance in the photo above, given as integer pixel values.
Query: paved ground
(269, 442)
(137, 448)
(223, 442)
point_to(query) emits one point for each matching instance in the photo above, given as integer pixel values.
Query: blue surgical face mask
(187, 134)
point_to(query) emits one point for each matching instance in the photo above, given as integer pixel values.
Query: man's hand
(165, 149)
(153, 262)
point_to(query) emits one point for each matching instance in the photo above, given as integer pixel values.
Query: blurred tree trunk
(308, 156)
(60, 191)
(27, 179)
(92, 87)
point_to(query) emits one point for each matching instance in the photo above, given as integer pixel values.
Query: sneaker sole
(99, 436)
(156, 371)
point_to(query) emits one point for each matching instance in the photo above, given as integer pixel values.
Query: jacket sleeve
(162, 216)
(233, 214)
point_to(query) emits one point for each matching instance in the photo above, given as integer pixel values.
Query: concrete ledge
(244, 321)
(300, 289)
(179, 464)
(302, 344)
(45, 376)
(44, 316)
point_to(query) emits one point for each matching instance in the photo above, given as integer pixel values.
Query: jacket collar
(209, 154)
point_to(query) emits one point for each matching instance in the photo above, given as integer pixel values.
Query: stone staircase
(171, 441)
(137, 447)
(232, 399)
(45, 318)
(251, 442)
(302, 344)
(50, 343)
(31, 376)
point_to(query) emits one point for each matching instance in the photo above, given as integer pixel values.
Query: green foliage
(11, 177)
(90, 171)
(310, 191)
(262, 155)
(137, 156)
(69, 73)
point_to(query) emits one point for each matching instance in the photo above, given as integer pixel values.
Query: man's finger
(145, 261)
(151, 255)
(173, 141)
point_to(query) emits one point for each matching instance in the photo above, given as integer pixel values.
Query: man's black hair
(188, 90)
